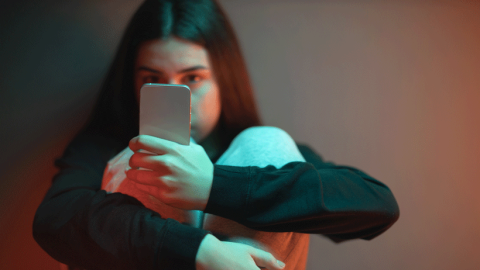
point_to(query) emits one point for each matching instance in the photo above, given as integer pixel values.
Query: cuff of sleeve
(229, 193)
(179, 246)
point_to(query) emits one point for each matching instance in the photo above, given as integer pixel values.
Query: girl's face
(176, 61)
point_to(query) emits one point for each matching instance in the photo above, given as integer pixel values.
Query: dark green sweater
(79, 224)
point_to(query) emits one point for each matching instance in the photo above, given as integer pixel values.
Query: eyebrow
(181, 71)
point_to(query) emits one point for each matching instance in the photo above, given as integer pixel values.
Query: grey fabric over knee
(261, 146)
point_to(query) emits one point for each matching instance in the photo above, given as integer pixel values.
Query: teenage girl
(250, 195)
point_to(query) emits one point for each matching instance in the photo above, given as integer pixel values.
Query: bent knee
(263, 132)
(261, 146)
(263, 138)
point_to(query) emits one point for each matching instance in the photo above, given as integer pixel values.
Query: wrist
(207, 246)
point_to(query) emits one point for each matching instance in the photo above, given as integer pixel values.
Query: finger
(151, 178)
(144, 188)
(149, 161)
(266, 260)
(152, 144)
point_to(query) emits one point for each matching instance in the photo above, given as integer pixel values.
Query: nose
(172, 81)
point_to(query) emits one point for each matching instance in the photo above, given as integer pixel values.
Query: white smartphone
(165, 112)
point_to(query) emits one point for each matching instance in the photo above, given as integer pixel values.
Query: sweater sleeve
(314, 197)
(79, 224)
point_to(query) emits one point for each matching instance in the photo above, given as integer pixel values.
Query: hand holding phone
(164, 113)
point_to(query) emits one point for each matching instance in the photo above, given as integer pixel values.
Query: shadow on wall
(53, 59)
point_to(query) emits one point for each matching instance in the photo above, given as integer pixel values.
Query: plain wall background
(390, 87)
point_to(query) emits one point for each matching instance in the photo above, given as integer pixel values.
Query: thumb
(266, 260)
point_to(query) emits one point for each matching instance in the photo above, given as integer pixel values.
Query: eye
(150, 79)
(192, 78)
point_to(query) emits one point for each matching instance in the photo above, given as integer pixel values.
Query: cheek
(211, 105)
(207, 107)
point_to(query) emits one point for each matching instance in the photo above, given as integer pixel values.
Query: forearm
(300, 199)
(309, 197)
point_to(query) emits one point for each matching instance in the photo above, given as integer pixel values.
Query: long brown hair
(202, 22)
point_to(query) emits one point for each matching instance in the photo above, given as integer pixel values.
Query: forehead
(172, 52)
